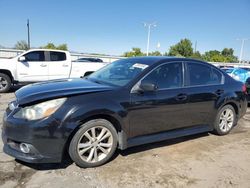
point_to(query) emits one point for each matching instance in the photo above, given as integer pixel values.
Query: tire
(226, 119)
(5, 83)
(87, 150)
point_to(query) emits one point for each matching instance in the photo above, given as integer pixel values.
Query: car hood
(57, 88)
(4, 61)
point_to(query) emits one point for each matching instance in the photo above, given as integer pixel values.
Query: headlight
(39, 111)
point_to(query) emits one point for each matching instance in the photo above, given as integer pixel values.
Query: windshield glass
(228, 70)
(119, 73)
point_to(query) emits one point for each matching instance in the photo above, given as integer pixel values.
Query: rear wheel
(93, 144)
(226, 119)
(5, 83)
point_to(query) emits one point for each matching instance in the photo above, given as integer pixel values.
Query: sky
(115, 26)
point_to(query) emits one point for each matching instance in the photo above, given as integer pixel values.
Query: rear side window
(35, 56)
(57, 56)
(199, 74)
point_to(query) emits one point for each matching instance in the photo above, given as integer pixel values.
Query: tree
(62, 47)
(182, 49)
(197, 55)
(228, 53)
(21, 45)
(134, 52)
(50, 45)
(213, 56)
(155, 53)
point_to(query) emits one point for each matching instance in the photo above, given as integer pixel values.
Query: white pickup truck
(40, 65)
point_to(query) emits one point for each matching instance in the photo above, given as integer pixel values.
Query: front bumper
(47, 139)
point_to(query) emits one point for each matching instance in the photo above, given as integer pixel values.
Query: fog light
(25, 148)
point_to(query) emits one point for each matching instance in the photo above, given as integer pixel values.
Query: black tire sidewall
(8, 83)
(217, 129)
(83, 128)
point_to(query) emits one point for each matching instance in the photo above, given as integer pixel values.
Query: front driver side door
(34, 68)
(163, 109)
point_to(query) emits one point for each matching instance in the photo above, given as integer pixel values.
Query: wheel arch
(7, 72)
(115, 122)
(234, 105)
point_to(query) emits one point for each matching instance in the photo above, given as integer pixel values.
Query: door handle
(181, 97)
(65, 65)
(219, 92)
(43, 65)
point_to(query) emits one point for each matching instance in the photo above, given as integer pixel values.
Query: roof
(41, 49)
(149, 60)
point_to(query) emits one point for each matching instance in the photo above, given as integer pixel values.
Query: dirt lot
(204, 160)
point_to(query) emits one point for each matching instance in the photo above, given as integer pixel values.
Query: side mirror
(22, 58)
(148, 87)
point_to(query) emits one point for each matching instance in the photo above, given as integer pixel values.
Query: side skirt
(167, 135)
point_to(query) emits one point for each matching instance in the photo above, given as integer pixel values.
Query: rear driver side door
(59, 65)
(204, 87)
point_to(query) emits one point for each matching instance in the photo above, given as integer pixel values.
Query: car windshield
(227, 70)
(119, 73)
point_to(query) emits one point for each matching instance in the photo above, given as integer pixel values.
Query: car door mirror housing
(148, 87)
(22, 58)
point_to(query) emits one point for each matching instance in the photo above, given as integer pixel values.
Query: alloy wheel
(95, 144)
(3, 83)
(226, 120)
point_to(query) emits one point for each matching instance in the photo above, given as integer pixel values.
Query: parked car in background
(129, 102)
(40, 65)
(227, 70)
(239, 74)
(248, 88)
(89, 59)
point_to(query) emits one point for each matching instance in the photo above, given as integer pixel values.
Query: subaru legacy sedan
(127, 103)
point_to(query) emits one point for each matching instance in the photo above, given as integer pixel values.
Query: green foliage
(52, 46)
(62, 47)
(134, 52)
(184, 49)
(155, 53)
(229, 54)
(21, 45)
(197, 55)
(181, 49)
(226, 55)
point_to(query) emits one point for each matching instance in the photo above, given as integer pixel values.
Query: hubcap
(95, 144)
(3, 83)
(226, 120)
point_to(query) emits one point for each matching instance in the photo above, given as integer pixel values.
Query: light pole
(149, 26)
(242, 47)
(28, 30)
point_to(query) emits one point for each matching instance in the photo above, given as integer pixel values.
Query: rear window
(57, 56)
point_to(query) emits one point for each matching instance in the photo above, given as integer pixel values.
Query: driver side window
(166, 76)
(35, 56)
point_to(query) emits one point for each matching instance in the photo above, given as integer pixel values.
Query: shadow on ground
(67, 161)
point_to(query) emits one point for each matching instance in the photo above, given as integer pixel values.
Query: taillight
(244, 88)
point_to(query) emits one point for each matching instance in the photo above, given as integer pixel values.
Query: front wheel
(225, 120)
(5, 83)
(93, 144)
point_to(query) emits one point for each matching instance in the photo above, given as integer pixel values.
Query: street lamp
(149, 26)
(242, 47)
(28, 31)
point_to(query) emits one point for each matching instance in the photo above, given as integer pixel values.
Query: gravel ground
(204, 160)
